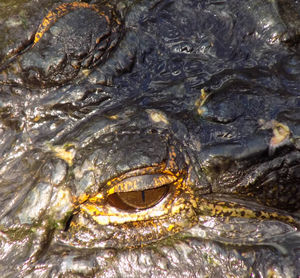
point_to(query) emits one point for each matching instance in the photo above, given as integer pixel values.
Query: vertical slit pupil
(143, 196)
(133, 200)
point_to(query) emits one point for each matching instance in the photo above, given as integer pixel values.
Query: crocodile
(149, 138)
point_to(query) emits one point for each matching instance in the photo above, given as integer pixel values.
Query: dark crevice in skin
(69, 220)
(70, 108)
(9, 59)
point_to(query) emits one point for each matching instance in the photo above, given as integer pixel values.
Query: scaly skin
(60, 11)
(150, 139)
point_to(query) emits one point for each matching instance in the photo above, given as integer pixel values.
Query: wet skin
(149, 139)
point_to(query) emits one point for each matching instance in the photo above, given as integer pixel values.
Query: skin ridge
(163, 107)
(59, 12)
(230, 209)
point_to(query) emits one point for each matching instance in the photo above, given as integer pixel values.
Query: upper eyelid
(143, 182)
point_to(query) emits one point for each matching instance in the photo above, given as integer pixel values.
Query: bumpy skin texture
(199, 99)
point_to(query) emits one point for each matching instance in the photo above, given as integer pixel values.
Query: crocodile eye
(139, 206)
(138, 199)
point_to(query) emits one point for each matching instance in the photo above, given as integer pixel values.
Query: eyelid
(140, 183)
(103, 213)
(100, 208)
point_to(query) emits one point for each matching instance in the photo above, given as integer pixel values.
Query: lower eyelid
(105, 215)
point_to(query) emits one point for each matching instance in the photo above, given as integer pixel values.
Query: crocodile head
(156, 139)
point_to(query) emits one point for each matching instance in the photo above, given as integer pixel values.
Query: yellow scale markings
(228, 209)
(60, 11)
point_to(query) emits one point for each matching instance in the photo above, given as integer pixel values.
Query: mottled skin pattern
(149, 138)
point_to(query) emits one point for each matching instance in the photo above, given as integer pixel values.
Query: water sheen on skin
(149, 138)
